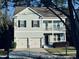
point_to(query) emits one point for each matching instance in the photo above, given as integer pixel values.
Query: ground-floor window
(59, 36)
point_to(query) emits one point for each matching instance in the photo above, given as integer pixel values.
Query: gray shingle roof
(47, 13)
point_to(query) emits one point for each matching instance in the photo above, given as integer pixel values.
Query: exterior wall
(22, 33)
(33, 37)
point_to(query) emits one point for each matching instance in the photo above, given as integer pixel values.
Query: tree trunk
(74, 29)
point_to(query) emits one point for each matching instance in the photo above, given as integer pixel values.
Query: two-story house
(38, 28)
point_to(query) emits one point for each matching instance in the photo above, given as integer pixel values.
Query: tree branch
(76, 16)
(67, 27)
(58, 9)
(77, 3)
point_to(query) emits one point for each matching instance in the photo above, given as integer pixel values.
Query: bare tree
(7, 29)
(73, 20)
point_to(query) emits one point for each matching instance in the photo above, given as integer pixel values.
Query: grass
(62, 51)
(2, 52)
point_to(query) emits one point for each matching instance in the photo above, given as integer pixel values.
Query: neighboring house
(38, 28)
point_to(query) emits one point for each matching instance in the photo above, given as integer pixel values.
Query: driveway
(32, 50)
(34, 54)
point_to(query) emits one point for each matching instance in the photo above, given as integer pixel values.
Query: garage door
(21, 43)
(34, 43)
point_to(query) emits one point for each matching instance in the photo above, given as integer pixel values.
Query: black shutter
(24, 23)
(32, 23)
(38, 25)
(18, 23)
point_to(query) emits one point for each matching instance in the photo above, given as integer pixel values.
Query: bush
(13, 45)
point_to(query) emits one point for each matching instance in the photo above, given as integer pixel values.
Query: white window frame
(35, 23)
(21, 23)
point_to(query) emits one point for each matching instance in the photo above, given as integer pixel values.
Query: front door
(46, 39)
(46, 35)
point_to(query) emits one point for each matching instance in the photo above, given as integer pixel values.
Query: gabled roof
(42, 11)
(47, 13)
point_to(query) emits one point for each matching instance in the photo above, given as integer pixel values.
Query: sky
(76, 5)
(10, 9)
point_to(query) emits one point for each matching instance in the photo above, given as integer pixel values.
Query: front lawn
(62, 51)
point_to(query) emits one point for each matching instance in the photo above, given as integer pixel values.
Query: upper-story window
(35, 23)
(48, 24)
(58, 25)
(21, 23)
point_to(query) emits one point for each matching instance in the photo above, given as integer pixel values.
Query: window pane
(59, 36)
(35, 23)
(21, 23)
(48, 24)
(58, 25)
